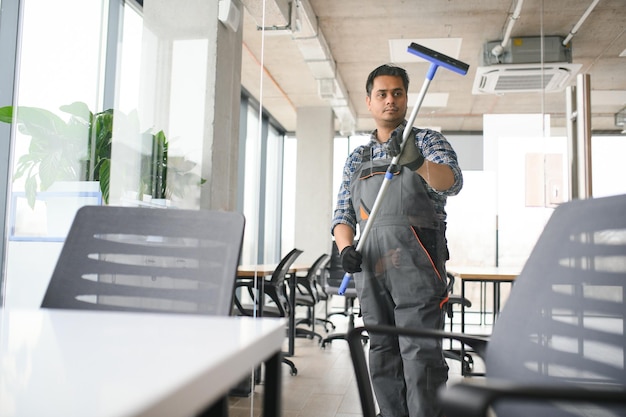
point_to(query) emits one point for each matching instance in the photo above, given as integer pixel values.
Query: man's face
(388, 101)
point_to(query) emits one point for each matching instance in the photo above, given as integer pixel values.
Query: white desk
(97, 364)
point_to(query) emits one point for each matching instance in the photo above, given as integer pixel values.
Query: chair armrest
(472, 399)
(477, 343)
(457, 299)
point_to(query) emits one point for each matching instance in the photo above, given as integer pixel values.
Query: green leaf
(30, 189)
(33, 119)
(6, 114)
(79, 110)
(105, 179)
(49, 170)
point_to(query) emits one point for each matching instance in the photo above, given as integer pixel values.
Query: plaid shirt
(434, 147)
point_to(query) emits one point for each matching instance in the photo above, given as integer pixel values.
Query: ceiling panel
(358, 33)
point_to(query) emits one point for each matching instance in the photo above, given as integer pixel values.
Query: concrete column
(196, 92)
(315, 134)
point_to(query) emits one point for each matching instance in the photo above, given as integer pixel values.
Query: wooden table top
(485, 273)
(252, 270)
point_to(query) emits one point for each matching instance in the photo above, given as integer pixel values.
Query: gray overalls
(400, 286)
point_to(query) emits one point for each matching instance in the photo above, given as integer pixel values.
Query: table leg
(261, 292)
(292, 314)
(496, 302)
(462, 350)
(218, 409)
(462, 306)
(272, 393)
(482, 314)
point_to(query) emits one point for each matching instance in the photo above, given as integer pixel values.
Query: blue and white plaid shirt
(434, 147)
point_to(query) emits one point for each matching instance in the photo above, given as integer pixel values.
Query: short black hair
(387, 69)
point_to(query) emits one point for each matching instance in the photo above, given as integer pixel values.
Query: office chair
(148, 260)
(324, 297)
(307, 295)
(274, 289)
(466, 359)
(559, 345)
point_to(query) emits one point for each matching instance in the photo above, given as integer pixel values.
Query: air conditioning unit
(523, 78)
(519, 68)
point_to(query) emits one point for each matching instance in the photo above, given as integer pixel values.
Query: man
(400, 275)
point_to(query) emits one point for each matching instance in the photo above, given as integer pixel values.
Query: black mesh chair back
(308, 295)
(564, 322)
(149, 260)
(276, 288)
(310, 282)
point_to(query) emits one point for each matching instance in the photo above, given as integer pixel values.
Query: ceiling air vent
(523, 78)
(525, 64)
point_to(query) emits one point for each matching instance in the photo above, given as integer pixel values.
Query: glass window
(159, 125)
(129, 78)
(343, 146)
(264, 201)
(288, 222)
(273, 196)
(505, 206)
(50, 166)
(251, 186)
(605, 179)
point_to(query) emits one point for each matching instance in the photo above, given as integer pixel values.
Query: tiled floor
(324, 385)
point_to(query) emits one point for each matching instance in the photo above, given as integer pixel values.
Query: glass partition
(516, 168)
(59, 92)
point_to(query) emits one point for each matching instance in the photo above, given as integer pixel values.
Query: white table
(78, 363)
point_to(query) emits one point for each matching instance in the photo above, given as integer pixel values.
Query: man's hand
(411, 157)
(351, 260)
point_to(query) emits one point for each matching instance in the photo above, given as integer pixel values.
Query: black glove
(351, 260)
(411, 156)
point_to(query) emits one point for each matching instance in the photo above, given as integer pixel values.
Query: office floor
(325, 385)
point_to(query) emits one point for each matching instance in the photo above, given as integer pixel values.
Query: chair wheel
(294, 372)
(467, 363)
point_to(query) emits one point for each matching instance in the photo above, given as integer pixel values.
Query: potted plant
(62, 150)
(158, 166)
(79, 149)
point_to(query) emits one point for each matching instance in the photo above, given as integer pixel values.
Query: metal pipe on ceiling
(580, 22)
(498, 49)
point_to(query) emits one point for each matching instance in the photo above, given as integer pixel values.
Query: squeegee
(436, 60)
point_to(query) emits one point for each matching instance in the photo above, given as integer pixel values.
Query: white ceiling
(357, 33)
